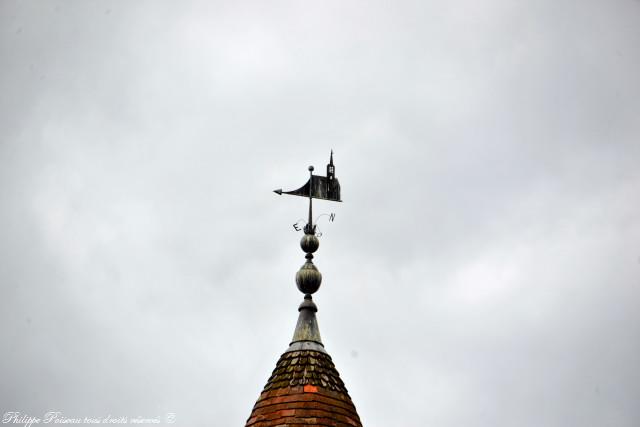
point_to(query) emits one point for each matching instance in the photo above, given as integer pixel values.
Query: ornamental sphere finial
(309, 243)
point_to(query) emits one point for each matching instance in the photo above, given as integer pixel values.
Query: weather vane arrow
(317, 187)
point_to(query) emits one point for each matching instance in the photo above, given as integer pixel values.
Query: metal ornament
(317, 187)
(308, 278)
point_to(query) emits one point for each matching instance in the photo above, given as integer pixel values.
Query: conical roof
(305, 388)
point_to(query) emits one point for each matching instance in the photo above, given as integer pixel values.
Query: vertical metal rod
(310, 225)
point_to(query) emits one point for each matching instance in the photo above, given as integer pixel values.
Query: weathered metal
(318, 186)
(308, 278)
(307, 326)
(309, 243)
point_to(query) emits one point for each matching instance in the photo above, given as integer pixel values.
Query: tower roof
(305, 388)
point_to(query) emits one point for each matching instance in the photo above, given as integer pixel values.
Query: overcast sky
(483, 270)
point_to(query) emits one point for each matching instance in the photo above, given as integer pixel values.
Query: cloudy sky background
(484, 268)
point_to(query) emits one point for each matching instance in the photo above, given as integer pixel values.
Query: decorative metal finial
(308, 278)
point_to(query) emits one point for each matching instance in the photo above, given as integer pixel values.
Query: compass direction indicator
(331, 217)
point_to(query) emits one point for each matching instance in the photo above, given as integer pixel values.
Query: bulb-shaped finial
(308, 278)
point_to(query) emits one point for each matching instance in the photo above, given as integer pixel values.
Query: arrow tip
(278, 191)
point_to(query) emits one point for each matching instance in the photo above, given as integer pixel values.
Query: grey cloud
(483, 268)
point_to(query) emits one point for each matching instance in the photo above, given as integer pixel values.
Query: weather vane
(308, 278)
(318, 187)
